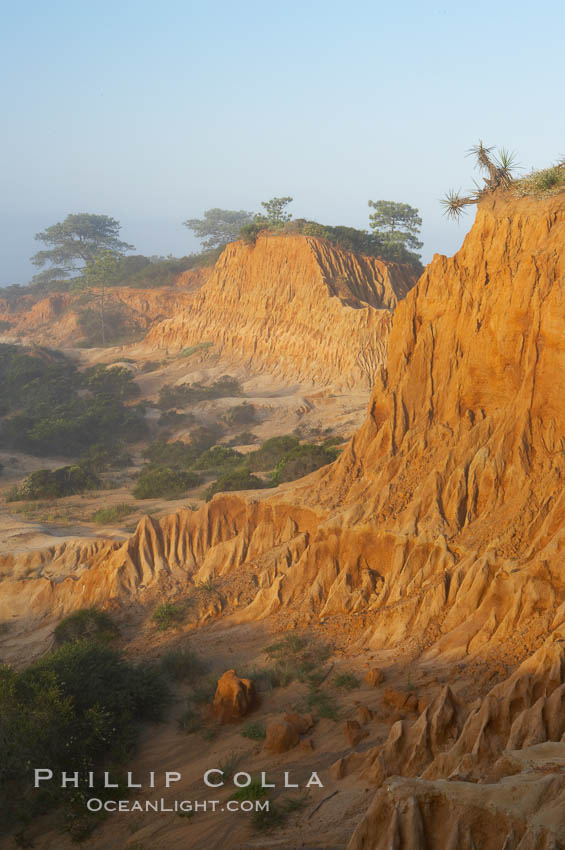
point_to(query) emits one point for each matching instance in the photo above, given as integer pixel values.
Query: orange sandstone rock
(234, 697)
(281, 736)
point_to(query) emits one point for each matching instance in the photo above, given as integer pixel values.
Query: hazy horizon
(153, 115)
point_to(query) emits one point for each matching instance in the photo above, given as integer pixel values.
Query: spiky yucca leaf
(506, 165)
(454, 202)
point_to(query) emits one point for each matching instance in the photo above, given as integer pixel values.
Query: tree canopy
(77, 241)
(218, 227)
(396, 227)
(276, 213)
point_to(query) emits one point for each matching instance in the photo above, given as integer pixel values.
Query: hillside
(54, 318)
(432, 548)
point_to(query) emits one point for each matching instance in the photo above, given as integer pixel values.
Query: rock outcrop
(234, 697)
(297, 307)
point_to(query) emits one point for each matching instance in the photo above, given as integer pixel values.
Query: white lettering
(71, 778)
(131, 783)
(107, 783)
(315, 780)
(246, 780)
(171, 776)
(208, 774)
(47, 774)
(288, 784)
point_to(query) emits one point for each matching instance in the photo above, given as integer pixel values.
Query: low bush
(194, 349)
(322, 703)
(86, 624)
(164, 482)
(271, 453)
(101, 457)
(241, 414)
(254, 791)
(114, 381)
(235, 480)
(298, 657)
(255, 731)
(205, 436)
(545, 181)
(185, 394)
(177, 455)
(77, 706)
(301, 461)
(105, 516)
(55, 483)
(173, 419)
(347, 681)
(183, 665)
(51, 409)
(246, 438)
(219, 460)
(169, 615)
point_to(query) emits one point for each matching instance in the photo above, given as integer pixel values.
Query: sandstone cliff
(54, 319)
(440, 529)
(295, 306)
(442, 521)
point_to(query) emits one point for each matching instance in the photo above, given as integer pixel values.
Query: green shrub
(256, 731)
(53, 484)
(228, 764)
(101, 457)
(169, 614)
(271, 452)
(185, 394)
(177, 455)
(164, 482)
(347, 681)
(254, 791)
(205, 436)
(218, 459)
(241, 414)
(86, 624)
(115, 381)
(183, 665)
(193, 349)
(51, 410)
(77, 706)
(250, 232)
(173, 419)
(246, 438)
(235, 480)
(547, 180)
(301, 461)
(298, 657)
(105, 516)
(322, 703)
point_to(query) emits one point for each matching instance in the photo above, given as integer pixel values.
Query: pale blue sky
(154, 112)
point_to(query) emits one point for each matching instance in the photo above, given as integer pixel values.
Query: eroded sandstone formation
(54, 319)
(297, 307)
(440, 528)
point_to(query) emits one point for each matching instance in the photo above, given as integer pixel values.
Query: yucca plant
(500, 170)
